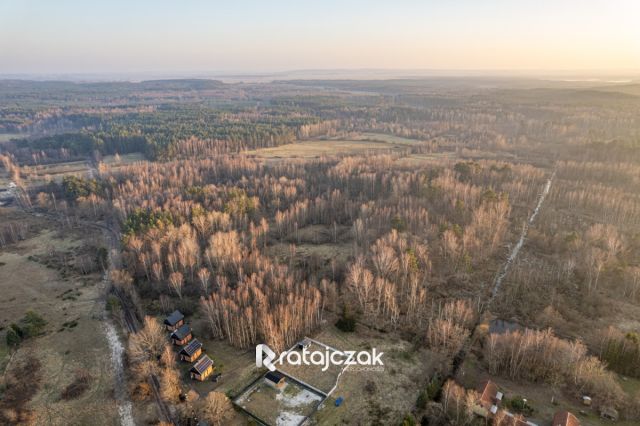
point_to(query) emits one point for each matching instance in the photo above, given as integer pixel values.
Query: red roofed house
(489, 399)
(565, 418)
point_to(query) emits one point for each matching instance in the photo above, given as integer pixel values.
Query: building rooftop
(274, 376)
(191, 348)
(174, 318)
(201, 365)
(488, 392)
(565, 418)
(181, 332)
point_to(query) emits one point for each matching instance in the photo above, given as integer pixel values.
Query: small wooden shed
(202, 369)
(174, 320)
(275, 379)
(191, 351)
(182, 335)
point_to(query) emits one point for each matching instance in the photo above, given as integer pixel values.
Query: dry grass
(38, 175)
(378, 397)
(5, 137)
(62, 350)
(318, 148)
(124, 159)
(286, 407)
(313, 374)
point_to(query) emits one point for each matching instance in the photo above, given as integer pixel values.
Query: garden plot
(289, 406)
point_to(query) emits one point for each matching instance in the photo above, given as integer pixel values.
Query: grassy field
(379, 397)
(5, 137)
(286, 407)
(123, 159)
(313, 374)
(37, 175)
(73, 339)
(318, 148)
(389, 139)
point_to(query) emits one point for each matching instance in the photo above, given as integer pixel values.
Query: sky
(258, 36)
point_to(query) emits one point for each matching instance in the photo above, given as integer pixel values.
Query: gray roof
(181, 332)
(201, 365)
(175, 317)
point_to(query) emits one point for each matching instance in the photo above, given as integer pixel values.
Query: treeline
(160, 133)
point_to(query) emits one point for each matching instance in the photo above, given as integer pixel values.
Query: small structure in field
(565, 418)
(202, 369)
(192, 351)
(609, 413)
(275, 379)
(304, 344)
(173, 321)
(339, 401)
(182, 335)
(586, 400)
(489, 400)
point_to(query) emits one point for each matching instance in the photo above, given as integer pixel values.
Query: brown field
(73, 340)
(124, 159)
(390, 139)
(41, 174)
(5, 137)
(286, 407)
(319, 148)
(368, 393)
(313, 374)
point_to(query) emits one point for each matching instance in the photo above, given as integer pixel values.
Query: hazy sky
(85, 36)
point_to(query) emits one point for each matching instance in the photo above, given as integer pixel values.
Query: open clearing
(42, 173)
(318, 148)
(73, 340)
(5, 137)
(286, 407)
(367, 391)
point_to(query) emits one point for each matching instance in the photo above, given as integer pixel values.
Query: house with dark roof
(275, 379)
(489, 399)
(565, 418)
(174, 320)
(191, 351)
(182, 335)
(202, 369)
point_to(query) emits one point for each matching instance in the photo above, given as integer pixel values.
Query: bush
(78, 386)
(14, 335)
(113, 303)
(408, 421)
(33, 324)
(347, 322)
(519, 405)
(434, 387)
(423, 399)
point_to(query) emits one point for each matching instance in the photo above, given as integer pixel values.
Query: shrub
(347, 322)
(33, 324)
(14, 335)
(78, 386)
(408, 420)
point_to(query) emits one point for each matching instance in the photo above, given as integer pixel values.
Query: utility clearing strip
(525, 229)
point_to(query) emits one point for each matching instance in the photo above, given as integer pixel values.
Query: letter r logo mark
(264, 356)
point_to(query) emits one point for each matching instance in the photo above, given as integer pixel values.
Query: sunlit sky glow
(84, 36)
